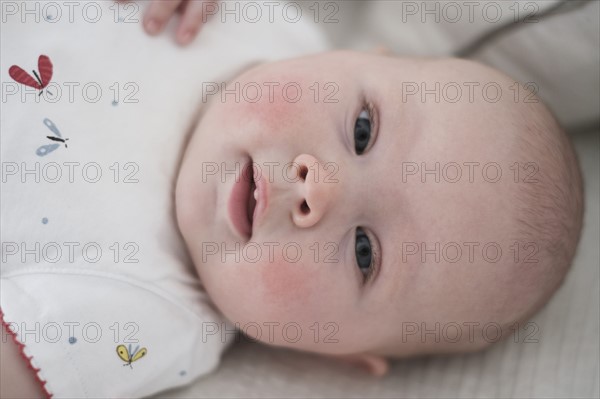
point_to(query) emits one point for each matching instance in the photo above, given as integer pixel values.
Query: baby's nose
(315, 192)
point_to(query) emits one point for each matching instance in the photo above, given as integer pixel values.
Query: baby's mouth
(252, 194)
(242, 201)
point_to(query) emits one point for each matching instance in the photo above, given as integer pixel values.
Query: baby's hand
(160, 11)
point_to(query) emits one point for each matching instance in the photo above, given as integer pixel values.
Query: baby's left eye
(363, 251)
(362, 132)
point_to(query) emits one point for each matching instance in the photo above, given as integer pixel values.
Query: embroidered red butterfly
(45, 67)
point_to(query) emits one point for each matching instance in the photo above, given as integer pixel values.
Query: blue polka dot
(72, 340)
(182, 373)
(45, 220)
(115, 103)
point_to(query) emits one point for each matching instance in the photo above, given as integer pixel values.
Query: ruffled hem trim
(28, 359)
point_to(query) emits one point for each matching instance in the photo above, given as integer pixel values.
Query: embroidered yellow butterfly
(128, 356)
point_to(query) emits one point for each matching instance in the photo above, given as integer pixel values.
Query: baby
(400, 218)
(366, 207)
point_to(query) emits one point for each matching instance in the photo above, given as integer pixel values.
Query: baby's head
(404, 206)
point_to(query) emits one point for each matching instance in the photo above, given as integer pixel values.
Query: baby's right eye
(362, 131)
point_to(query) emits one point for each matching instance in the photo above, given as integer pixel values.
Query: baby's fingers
(157, 15)
(193, 18)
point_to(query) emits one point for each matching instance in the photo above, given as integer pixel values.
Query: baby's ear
(375, 365)
(381, 50)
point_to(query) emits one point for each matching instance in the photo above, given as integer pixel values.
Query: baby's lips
(238, 204)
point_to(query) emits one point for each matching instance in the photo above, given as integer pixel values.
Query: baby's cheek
(287, 287)
(275, 110)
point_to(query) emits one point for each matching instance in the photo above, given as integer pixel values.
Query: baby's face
(349, 214)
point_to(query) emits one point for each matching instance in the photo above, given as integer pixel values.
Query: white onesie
(95, 280)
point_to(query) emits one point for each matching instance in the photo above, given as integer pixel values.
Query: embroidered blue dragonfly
(48, 148)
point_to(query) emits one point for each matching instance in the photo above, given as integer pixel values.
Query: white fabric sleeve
(72, 322)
